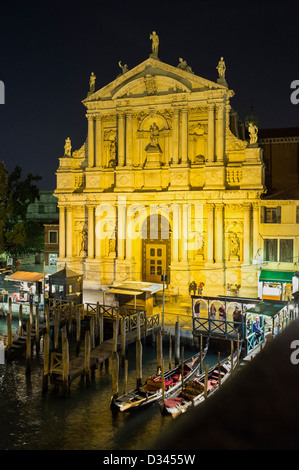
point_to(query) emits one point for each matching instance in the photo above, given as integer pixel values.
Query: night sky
(49, 49)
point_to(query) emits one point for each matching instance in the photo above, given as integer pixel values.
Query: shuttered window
(270, 215)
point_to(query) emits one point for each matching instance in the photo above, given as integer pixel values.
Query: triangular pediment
(152, 77)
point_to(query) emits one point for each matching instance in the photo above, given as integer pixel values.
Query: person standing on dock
(256, 327)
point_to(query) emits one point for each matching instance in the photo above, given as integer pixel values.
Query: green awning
(276, 276)
(269, 309)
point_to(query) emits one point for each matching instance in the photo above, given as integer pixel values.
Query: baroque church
(164, 183)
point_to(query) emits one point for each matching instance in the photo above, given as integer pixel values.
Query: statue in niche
(92, 83)
(154, 129)
(155, 43)
(253, 130)
(221, 68)
(84, 240)
(234, 246)
(123, 67)
(112, 153)
(184, 66)
(68, 147)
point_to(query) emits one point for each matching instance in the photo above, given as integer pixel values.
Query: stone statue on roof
(92, 83)
(155, 44)
(184, 66)
(253, 130)
(123, 67)
(221, 68)
(68, 148)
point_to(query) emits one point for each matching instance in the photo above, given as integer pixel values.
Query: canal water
(30, 420)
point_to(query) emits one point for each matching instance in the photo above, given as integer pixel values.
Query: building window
(279, 250)
(41, 209)
(53, 236)
(270, 215)
(270, 249)
(286, 250)
(297, 214)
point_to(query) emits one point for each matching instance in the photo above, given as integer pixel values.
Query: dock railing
(226, 329)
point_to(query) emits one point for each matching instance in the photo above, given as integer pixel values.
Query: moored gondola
(194, 392)
(152, 390)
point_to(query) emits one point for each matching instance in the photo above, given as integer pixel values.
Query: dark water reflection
(82, 421)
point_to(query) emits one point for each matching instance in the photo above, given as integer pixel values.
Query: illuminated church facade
(165, 182)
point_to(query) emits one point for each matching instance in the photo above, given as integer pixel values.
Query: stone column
(219, 233)
(91, 141)
(184, 135)
(91, 232)
(61, 231)
(121, 230)
(175, 137)
(129, 139)
(121, 139)
(220, 133)
(211, 133)
(128, 237)
(184, 232)
(98, 157)
(98, 240)
(246, 234)
(69, 232)
(255, 227)
(210, 233)
(176, 230)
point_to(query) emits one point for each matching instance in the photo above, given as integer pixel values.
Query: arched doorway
(155, 248)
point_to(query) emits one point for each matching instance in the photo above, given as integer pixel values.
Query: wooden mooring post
(206, 381)
(37, 339)
(9, 334)
(159, 346)
(170, 351)
(28, 347)
(78, 331)
(115, 359)
(126, 368)
(177, 342)
(123, 322)
(56, 329)
(65, 362)
(201, 355)
(20, 320)
(46, 362)
(138, 354)
(87, 356)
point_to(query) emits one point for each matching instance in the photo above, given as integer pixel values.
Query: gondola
(193, 392)
(151, 391)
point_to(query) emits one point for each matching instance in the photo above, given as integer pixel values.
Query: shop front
(277, 285)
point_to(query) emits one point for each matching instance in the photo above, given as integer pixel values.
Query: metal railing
(227, 329)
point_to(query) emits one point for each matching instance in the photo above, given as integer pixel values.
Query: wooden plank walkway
(98, 355)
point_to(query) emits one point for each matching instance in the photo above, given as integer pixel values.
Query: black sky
(49, 48)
